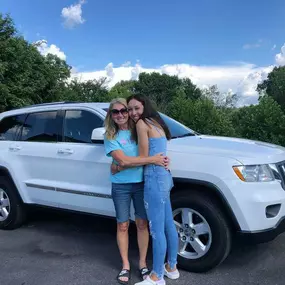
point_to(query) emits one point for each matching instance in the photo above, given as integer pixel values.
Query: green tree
(221, 100)
(86, 91)
(122, 89)
(274, 86)
(163, 88)
(27, 77)
(201, 115)
(263, 122)
(56, 73)
(191, 90)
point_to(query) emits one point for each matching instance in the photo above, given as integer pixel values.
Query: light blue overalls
(158, 184)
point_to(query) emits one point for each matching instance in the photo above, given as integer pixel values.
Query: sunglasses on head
(123, 111)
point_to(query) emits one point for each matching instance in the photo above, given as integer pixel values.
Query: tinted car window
(40, 127)
(10, 127)
(176, 129)
(79, 124)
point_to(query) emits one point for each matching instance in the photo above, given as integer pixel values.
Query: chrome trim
(32, 185)
(85, 193)
(280, 167)
(283, 168)
(63, 190)
(275, 171)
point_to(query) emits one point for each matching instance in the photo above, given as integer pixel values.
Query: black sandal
(124, 273)
(144, 272)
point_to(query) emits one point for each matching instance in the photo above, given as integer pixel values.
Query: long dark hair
(149, 113)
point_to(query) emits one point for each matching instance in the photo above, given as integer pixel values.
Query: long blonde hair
(110, 126)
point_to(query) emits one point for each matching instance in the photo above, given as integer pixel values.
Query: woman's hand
(158, 159)
(167, 162)
(161, 160)
(114, 168)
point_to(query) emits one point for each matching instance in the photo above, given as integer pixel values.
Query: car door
(33, 157)
(84, 176)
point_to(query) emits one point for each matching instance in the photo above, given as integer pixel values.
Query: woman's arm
(115, 168)
(113, 149)
(132, 161)
(142, 131)
(127, 161)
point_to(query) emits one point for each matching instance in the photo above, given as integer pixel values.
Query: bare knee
(123, 227)
(142, 225)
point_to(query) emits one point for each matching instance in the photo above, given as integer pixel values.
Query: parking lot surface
(62, 248)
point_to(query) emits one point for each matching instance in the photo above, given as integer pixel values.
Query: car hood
(246, 151)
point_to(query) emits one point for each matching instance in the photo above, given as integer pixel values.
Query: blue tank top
(156, 145)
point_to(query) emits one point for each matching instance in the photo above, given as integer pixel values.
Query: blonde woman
(128, 185)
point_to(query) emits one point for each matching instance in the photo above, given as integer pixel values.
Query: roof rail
(48, 104)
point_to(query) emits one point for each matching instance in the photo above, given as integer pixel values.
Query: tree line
(27, 77)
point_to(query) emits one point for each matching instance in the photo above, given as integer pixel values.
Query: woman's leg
(155, 208)
(123, 243)
(121, 194)
(156, 193)
(172, 238)
(141, 222)
(143, 240)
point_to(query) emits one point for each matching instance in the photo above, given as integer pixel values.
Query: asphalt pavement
(62, 248)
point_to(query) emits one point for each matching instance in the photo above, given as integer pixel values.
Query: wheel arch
(6, 173)
(210, 189)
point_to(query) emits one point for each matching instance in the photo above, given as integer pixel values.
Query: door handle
(15, 148)
(65, 151)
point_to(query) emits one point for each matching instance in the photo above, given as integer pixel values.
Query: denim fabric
(122, 194)
(158, 184)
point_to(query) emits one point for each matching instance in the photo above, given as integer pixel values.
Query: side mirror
(98, 135)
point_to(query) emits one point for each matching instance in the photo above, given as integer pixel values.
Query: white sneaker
(171, 275)
(148, 281)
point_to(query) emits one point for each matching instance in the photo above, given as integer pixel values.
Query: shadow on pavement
(94, 230)
(97, 235)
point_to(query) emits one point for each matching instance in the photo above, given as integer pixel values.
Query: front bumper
(258, 207)
(263, 235)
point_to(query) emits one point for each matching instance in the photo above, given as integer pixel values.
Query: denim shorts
(123, 194)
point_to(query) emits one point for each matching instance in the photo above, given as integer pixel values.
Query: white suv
(53, 155)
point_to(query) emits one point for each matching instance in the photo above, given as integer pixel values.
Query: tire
(219, 240)
(16, 211)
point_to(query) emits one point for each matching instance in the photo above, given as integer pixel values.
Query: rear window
(10, 127)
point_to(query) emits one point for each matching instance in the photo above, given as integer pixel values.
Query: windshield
(176, 129)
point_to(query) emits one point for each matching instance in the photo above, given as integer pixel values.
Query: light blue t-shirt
(123, 142)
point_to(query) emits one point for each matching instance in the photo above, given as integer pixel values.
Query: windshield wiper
(184, 135)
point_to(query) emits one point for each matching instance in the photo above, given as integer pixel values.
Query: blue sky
(198, 33)
(156, 32)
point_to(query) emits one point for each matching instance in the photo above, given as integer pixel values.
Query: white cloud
(236, 77)
(45, 49)
(126, 64)
(135, 71)
(239, 77)
(110, 71)
(254, 45)
(73, 70)
(280, 57)
(72, 15)
(247, 87)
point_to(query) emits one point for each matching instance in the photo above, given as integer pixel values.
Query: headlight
(254, 173)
